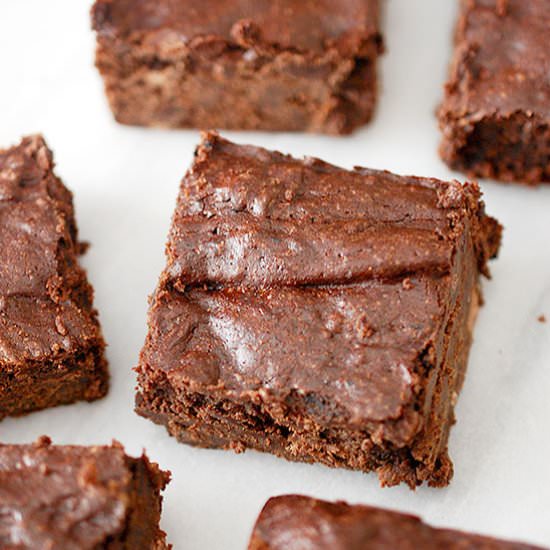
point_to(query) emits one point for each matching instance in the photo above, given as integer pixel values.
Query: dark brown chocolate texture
(240, 64)
(316, 313)
(79, 498)
(51, 347)
(295, 522)
(495, 116)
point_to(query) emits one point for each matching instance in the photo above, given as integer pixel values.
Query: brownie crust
(79, 498)
(295, 522)
(495, 116)
(51, 347)
(287, 65)
(315, 313)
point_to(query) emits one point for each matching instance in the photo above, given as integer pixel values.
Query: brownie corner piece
(51, 346)
(284, 66)
(65, 496)
(293, 521)
(315, 313)
(495, 115)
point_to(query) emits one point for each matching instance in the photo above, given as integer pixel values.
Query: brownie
(295, 522)
(79, 498)
(51, 347)
(286, 65)
(316, 313)
(495, 116)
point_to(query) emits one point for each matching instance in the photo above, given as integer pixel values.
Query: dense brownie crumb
(316, 313)
(495, 116)
(79, 498)
(51, 347)
(295, 522)
(286, 65)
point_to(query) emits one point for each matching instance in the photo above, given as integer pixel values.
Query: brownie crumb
(408, 284)
(502, 8)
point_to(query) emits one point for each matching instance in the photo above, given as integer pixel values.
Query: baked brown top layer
(44, 297)
(253, 217)
(502, 61)
(334, 349)
(288, 24)
(34, 208)
(295, 522)
(302, 282)
(63, 496)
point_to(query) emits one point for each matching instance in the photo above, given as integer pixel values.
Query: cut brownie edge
(221, 427)
(509, 148)
(142, 523)
(81, 377)
(135, 101)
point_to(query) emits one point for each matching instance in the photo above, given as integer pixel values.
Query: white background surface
(125, 182)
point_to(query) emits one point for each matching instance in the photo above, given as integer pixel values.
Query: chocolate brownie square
(285, 65)
(51, 347)
(78, 498)
(316, 313)
(295, 522)
(495, 116)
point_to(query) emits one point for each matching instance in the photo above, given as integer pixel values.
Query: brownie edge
(295, 522)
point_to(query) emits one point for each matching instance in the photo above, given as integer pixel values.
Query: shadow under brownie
(286, 65)
(319, 314)
(51, 347)
(76, 498)
(294, 522)
(495, 116)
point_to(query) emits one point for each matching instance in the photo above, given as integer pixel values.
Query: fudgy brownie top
(275, 262)
(502, 61)
(295, 522)
(306, 346)
(73, 497)
(36, 240)
(42, 288)
(253, 217)
(287, 24)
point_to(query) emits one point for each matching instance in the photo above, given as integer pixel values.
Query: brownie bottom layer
(515, 148)
(213, 97)
(232, 426)
(36, 386)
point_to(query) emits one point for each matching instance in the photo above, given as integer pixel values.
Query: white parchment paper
(125, 182)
